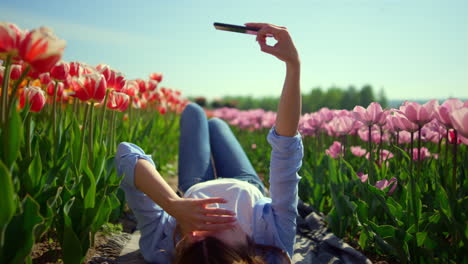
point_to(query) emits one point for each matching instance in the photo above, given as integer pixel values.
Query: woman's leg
(229, 158)
(194, 148)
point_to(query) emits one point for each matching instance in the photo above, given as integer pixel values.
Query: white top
(241, 197)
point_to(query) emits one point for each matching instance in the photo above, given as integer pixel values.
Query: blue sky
(412, 49)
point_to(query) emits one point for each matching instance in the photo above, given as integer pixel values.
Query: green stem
(91, 136)
(454, 168)
(11, 102)
(371, 157)
(4, 99)
(418, 175)
(28, 136)
(83, 135)
(54, 120)
(413, 183)
(112, 135)
(103, 114)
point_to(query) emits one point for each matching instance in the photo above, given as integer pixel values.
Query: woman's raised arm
(289, 108)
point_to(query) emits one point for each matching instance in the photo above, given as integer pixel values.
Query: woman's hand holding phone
(284, 48)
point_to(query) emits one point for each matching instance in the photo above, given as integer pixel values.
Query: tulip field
(391, 182)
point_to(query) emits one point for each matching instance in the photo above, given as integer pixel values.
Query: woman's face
(233, 237)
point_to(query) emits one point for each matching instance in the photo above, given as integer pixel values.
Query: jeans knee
(192, 110)
(216, 123)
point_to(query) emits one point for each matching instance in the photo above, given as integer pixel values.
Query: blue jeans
(209, 150)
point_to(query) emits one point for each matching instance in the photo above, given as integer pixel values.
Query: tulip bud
(60, 71)
(15, 72)
(36, 98)
(156, 76)
(51, 89)
(45, 78)
(10, 37)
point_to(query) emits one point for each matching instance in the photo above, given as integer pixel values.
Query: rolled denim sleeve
(286, 160)
(153, 222)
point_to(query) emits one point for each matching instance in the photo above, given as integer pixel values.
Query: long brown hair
(214, 251)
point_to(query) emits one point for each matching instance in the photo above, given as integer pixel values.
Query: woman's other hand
(284, 49)
(196, 215)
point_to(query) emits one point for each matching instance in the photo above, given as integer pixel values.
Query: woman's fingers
(215, 219)
(218, 211)
(210, 201)
(217, 227)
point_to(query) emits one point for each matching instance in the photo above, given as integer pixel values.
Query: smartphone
(236, 28)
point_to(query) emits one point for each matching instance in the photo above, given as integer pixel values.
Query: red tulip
(141, 85)
(45, 78)
(114, 79)
(118, 101)
(131, 88)
(60, 71)
(51, 87)
(162, 110)
(10, 37)
(152, 85)
(41, 49)
(36, 98)
(372, 115)
(16, 71)
(459, 120)
(90, 87)
(75, 69)
(157, 76)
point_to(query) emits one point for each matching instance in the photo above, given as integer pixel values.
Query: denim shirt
(274, 220)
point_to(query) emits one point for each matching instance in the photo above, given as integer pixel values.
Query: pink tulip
(425, 154)
(459, 120)
(370, 116)
(442, 113)
(90, 87)
(464, 140)
(363, 177)
(334, 150)
(341, 125)
(253, 146)
(60, 71)
(118, 101)
(401, 122)
(41, 49)
(382, 184)
(325, 114)
(358, 151)
(419, 114)
(10, 37)
(36, 98)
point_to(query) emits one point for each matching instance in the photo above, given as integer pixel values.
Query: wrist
(293, 64)
(169, 205)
